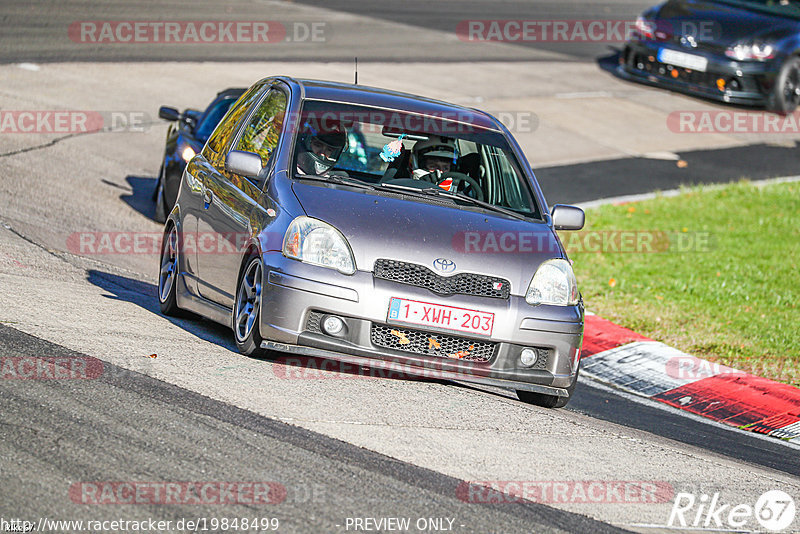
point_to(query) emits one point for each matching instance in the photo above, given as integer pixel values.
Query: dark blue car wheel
(785, 96)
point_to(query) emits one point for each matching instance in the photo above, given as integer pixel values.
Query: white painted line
(666, 156)
(643, 367)
(584, 94)
(645, 401)
(790, 432)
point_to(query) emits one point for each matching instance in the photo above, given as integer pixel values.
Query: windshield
(790, 8)
(408, 152)
(212, 117)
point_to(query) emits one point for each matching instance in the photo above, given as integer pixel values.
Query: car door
(228, 200)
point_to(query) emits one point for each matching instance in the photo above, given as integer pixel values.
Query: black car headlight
(187, 153)
(751, 51)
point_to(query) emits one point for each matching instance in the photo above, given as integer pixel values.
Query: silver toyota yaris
(377, 228)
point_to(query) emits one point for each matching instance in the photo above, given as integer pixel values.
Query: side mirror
(568, 217)
(243, 163)
(168, 114)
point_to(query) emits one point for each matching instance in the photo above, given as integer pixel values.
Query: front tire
(785, 95)
(168, 274)
(549, 401)
(158, 196)
(247, 310)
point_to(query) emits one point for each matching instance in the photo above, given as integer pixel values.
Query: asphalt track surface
(584, 182)
(38, 30)
(128, 426)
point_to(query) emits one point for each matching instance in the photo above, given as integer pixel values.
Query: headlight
(751, 51)
(187, 154)
(554, 283)
(318, 243)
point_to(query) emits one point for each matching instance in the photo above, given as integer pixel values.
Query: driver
(318, 151)
(433, 157)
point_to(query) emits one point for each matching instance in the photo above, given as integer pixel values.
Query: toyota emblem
(444, 265)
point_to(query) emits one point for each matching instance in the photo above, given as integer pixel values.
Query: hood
(380, 225)
(722, 24)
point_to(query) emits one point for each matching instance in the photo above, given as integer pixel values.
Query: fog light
(332, 325)
(528, 357)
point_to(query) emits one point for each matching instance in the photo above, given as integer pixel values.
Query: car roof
(385, 98)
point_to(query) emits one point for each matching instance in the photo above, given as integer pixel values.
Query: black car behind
(737, 51)
(186, 137)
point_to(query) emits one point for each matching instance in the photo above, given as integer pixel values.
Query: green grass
(732, 299)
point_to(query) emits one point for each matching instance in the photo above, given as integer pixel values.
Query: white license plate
(682, 59)
(439, 316)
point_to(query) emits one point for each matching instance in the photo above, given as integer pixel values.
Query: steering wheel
(459, 177)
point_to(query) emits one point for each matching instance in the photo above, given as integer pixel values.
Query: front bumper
(295, 296)
(745, 82)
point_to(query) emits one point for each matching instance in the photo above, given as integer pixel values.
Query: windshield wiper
(438, 191)
(337, 179)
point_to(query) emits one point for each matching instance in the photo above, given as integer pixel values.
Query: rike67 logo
(774, 511)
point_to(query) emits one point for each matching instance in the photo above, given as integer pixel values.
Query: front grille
(459, 284)
(543, 358)
(428, 344)
(314, 322)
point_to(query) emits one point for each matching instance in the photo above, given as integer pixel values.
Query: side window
(262, 134)
(227, 127)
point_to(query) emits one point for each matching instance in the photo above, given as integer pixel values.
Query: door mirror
(568, 217)
(168, 114)
(246, 164)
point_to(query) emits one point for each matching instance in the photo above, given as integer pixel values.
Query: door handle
(208, 196)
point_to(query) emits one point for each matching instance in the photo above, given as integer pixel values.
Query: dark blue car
(186, 137)
(737, 51)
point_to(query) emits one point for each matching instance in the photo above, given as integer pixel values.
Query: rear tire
(168, 273)
(247, 308)
(549, 401)
(785, 95)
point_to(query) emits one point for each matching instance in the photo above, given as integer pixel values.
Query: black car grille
(459, 284)
(648, 64)
(428, 344)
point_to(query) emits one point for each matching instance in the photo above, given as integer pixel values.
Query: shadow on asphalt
(141, 200)
(145, 295)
